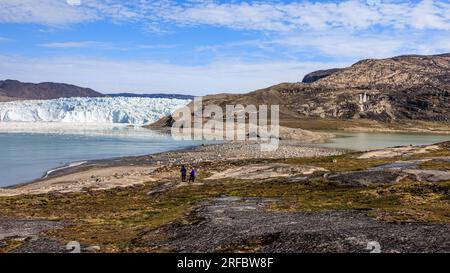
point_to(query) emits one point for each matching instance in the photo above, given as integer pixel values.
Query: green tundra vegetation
(122, 219)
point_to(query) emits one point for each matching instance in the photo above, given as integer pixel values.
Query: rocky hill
(320, 74)
(14, 90)
(398, 72)
(404, 88)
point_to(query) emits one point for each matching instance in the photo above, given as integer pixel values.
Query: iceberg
(120, 110)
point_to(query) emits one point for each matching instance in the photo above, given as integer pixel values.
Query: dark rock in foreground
(242, 224)
(366, 178)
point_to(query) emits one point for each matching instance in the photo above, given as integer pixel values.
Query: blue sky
(203, 47)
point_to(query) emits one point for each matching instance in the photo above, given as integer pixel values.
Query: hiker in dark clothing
(192, 175)
(183, 173)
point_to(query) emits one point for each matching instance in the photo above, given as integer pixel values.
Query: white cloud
(300, 15)
(45, 12)
(4, 40)
(242, 16)
(430, 14)
(123, 46)
(81, 44)
(74, 2)
(156, 46)
(340, 45)
(257, 15)
(341, 31)
(149, 76)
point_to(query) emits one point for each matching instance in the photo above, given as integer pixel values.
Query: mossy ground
(121, 219)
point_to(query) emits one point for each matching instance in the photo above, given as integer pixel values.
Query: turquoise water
(27, 156)
(371, 141)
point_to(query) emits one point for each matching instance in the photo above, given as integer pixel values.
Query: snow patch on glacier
(123, 110)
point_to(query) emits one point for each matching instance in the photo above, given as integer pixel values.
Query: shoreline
(294, 138)
(161, 159)
(327, 137)
(74, 167)
(297, 135)
(133, 170)
(66, 166)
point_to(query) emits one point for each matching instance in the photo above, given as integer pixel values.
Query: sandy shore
(129, 171)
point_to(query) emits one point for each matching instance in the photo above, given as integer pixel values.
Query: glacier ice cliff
(90, 110)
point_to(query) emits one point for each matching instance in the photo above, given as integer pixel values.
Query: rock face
(234, 224)
(265, 171)
(15, 90)
(405, 87)
(366, 178)
(402, 72)
(317, 75)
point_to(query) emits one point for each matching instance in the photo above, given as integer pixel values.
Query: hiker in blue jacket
(192, 175)
(183, 173)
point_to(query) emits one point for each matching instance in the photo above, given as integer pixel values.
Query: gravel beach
(128, 171)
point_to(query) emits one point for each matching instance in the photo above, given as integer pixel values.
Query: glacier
(120, 110)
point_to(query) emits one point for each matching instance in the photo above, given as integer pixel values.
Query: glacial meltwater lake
(372, 141)
(27, 152)
(25, 156)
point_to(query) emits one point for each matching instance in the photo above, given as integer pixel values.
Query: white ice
(122, 110)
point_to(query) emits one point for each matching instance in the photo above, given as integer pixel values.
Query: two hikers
(184, 174)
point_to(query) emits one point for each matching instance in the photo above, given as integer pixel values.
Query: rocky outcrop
(15, 90)
(261, 172)
(400, 72)
(320, 74)
(405, 87)
(235, 224)
(366, 178)
(401, 88)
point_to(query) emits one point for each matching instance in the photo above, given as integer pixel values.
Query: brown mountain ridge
(14, 90)
(402, 88)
